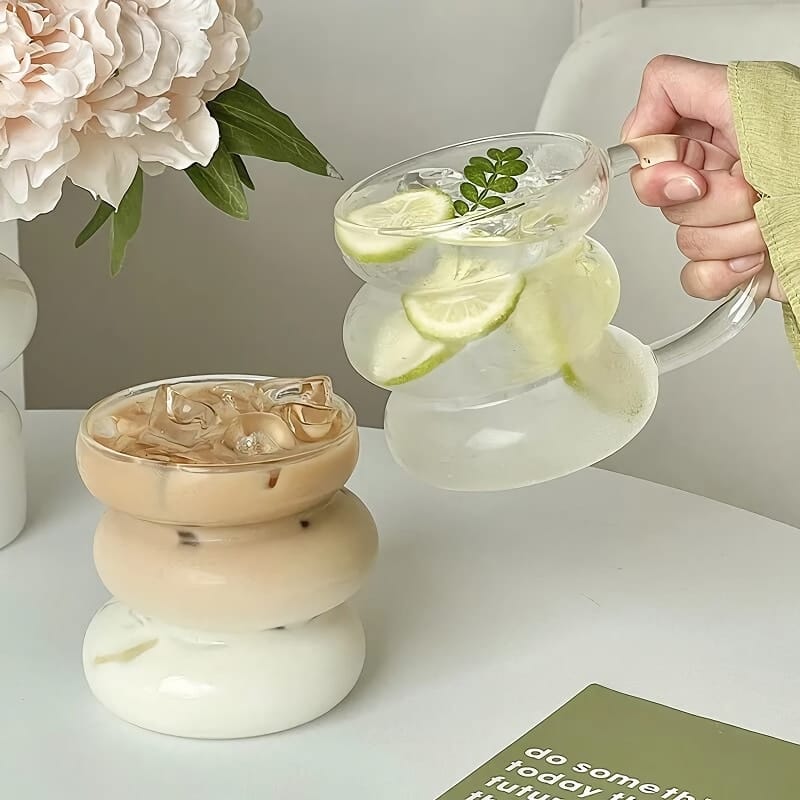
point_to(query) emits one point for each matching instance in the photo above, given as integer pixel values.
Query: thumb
(668, 184)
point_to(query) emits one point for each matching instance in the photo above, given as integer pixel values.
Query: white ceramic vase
(18, 312)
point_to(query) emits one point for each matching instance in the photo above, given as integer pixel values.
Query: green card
(603, 745)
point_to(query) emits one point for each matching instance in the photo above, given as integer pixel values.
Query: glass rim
(590, 149)
(131, 392)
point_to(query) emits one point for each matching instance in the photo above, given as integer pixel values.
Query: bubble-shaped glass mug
(487, 308)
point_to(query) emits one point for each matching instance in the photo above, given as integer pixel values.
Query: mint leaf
(250, 126)
(470, 192)
(461, 207)
(241, 170)
(503, 185)
(101, 215)
(475, 175)
(491, 174)
(513, 168)
(125, 222)
(482, 163)
(220, 183)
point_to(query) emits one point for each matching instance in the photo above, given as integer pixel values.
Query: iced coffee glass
(231, 549)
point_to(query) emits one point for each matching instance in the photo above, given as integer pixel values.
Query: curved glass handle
(731, 316)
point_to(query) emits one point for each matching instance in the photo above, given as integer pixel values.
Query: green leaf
(503, 185)
(470, 192)
(250, 126)
(125, 222)
(475, 175)
(104, 211)
(511, 153)
(461, 207)
(513, 168)
(495, 154)
(241, 170)
(482, 163)
(493, 201)
(220, 184)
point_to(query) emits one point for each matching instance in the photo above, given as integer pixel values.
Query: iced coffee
(218, 452)
(229, 539)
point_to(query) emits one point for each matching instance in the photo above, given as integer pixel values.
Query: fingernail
(744, 263)
(681, 190)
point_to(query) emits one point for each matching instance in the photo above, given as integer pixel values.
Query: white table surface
(483, 615)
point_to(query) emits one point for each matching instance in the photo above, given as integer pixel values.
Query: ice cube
(259, 433)
(495, 225)
(178, 419)
(236, 396)
(230, 422)
(305, 405)
(317, 390)
(591, 198)
(106, 430)
(307, 422)
(443, 178)
(531, 182)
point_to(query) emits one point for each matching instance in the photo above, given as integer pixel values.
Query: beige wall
(370, 82)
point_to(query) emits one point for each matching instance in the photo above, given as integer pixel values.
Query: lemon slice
(619, 376)
(358, 235)
(401, 355)
(463, 299)
(566, 305)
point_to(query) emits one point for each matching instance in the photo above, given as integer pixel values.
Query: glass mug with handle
(487, 309)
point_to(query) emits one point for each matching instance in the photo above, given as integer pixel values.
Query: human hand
(713, 208)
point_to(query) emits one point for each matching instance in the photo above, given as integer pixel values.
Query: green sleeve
(765, 97)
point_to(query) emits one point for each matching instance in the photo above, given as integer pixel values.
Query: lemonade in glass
(487, 309)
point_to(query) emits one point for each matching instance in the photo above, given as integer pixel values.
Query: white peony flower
(230, 52)
(91, 90)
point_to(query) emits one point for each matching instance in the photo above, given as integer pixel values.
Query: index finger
(674, 88)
